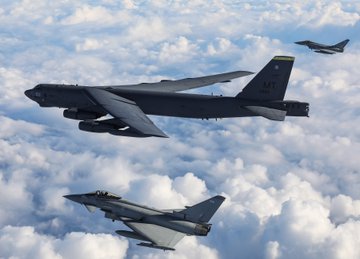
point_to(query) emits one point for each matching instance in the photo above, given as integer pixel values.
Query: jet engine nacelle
(103, 127)
(95, 126)
(80, 115)
(202, 230)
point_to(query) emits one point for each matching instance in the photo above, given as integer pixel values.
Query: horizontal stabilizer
(268, 113)
(90, 208)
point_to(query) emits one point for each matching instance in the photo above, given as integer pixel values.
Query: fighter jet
(161, 229)
(129, 104)
(324, 49)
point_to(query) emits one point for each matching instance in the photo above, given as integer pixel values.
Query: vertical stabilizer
(342, 44)
(203, 211)
(271, 82)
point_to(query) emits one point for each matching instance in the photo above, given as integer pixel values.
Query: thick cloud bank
(24, 242)
(291, 188)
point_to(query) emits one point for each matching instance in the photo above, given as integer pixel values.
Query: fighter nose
(300, 42)
(73, 197)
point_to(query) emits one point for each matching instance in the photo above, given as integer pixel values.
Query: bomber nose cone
(28, 93)
(73, 197)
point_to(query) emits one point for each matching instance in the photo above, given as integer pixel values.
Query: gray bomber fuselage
(160, 103)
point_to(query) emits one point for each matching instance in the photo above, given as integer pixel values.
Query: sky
(291, 188)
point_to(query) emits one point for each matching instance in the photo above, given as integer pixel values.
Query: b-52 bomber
(161, 229)
(324, 49)
(129, 104)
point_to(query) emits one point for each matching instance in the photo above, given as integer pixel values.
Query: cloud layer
(291, 188)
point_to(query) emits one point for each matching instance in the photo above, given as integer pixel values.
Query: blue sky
(291, 188)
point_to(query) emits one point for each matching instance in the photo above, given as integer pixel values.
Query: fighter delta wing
(160, 237)
(129, 105)
(161, 229)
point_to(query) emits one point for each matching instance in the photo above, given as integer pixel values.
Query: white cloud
(272, 250)
(181, 51)
(291, 188)
(90, 44)
(92, 14)
(25, 242)
(344, 208)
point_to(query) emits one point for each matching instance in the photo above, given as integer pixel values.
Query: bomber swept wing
(187, 83)
(125, 111)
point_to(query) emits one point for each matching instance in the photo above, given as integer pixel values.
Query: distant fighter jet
(129, 104)
(324, 49)
(161, 229)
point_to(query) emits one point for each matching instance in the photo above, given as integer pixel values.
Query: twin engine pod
(108, 127)
(76, 114)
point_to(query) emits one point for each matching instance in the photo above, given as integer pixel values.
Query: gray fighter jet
(161, 229)
(129, 104)
(324, 49)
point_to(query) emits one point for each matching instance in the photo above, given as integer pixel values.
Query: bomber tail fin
(203, 211)
(342, 44)
(271, 82)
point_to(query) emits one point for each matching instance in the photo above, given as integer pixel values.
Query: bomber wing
(187, 83)
(126, 113)
(160, 237)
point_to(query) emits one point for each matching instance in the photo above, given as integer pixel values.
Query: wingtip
(220, 197)
(163, 135)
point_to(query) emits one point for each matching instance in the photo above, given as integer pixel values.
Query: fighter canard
(161, 229)
(129, 104)
(324, 49)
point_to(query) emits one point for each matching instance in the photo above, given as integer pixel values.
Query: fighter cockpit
(104, 194)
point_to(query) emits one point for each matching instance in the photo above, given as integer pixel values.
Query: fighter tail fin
(342, 44)
(203, 211)
(271, 82)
